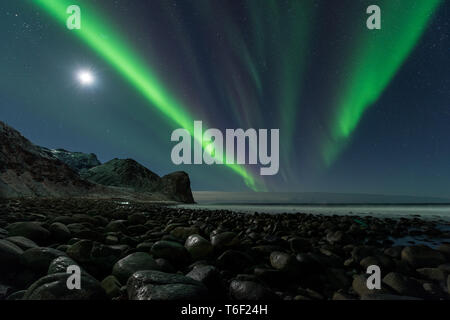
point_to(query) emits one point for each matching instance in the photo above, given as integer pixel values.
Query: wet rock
(209, 276)
(104, 257)
(338, 278)
(31, 230)
(54, 287)
(198, 247)
(359, 285)
(165, 266)
(116, 226)
(80, 251)
(382, 261)
(433, 290)
(403, 285)
(145, 246)
(4, 291)
(422, 256)
(434, 274)
(60, 231)
(111, 286)
(264, 251)
(250, 290)
(184, 232)
(284, 262)
(444, 249)
(22, 242)
(394, 252)
(3, 233)
(172, 251)
(111, 239)
(60, 265)
(132, 263)
(224, 240)
(308, 263)
(156, 285)
(18, 295)
(335, 237)
(360, 252)
(39, 259)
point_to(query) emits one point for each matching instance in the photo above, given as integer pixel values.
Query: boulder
(59, 231)
(198, 247)
(403, 285)
(22, 242)
(422, 256)
(184, 232)
(124, 268)
(172, 251)
(80, 251)
(156, 285)
(250, 290)
(224, 240)
(39, 259)
(112, 286)
(54, 287)
(10, 255)
(31, 230)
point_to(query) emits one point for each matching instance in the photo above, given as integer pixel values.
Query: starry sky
(359, 110)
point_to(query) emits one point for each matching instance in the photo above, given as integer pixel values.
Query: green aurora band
(377, 58)
(135, 70)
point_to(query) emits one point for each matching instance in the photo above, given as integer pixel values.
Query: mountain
(77, 161)
(128, 173)
(27, 170)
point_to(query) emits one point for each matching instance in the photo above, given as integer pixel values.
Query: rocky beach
(143, 251)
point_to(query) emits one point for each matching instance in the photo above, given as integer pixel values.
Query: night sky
(358, 110)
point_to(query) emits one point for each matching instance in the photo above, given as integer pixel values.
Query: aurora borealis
(358, 110)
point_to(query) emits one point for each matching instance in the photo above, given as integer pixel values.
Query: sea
(440, 214)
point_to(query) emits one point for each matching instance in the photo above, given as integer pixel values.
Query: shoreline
(127, 250)
(433, 212)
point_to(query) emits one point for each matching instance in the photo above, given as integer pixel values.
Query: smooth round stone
(184, 232)
(116, 226)
(54, 287)
(422, 256)
(39, 259)
(60, 231)
(124, 268)
(60, 265)
(22, 242)
(198, 247)
(156, 285)
(10, 255)
(112, 286)
(80, 251)
(170, 250)
(224, 240)
(250, 290)
(30, 230)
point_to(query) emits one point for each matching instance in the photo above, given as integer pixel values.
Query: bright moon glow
(86, 78)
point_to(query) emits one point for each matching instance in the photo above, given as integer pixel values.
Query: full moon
(86, 78)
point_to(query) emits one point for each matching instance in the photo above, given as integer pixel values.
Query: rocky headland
(31, 171)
